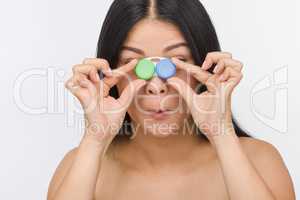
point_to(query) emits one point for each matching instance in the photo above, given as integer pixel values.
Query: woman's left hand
(211, 110)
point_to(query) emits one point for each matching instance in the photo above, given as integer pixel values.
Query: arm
(76, 176)
(257, 174)
(252, 169)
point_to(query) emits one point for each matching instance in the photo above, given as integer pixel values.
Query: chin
(162, 134)
(159, 134)
(161, 128)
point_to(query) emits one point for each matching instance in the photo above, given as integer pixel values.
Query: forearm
(80, 181)
(241, 178)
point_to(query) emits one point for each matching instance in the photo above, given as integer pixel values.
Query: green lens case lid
(145, 69)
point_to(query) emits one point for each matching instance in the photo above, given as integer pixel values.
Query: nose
(156, 86)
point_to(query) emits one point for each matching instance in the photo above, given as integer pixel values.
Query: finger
(98, 87)
(211, 84)
(200, 74)
(227, 62)
(220, 67)
(106, 84)
(85, 83)
(75, 79)
(69, 84)
(119, 73)
(214, 57)
(89, 104)
(232, 78)
(183, 89)
(123, 70)
(103, 89)
(102, 86)
(230, 73)
(88, 70)
(81, 82)
(130, 92)
(100, 64)
(74, 87)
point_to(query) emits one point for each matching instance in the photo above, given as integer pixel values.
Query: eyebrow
(168, 48)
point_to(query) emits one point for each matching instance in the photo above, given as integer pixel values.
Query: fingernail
(70, 84)
(216, 68)
(132, 62)
(83, 82)
(109, 72)
(222, 77)
(97, 77)
(204, 64)
(105, 72)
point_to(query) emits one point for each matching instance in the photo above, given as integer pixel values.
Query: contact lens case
(148, 67)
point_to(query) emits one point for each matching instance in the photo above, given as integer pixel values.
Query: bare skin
(157, 163)
(195, 177)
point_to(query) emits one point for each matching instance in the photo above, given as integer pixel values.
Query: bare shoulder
(60, 171)
(258, 147)
(268, 161)
(262, 153)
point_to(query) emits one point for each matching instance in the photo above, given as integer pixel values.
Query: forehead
(149, 32)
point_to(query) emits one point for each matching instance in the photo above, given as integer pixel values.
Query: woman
(164, 139)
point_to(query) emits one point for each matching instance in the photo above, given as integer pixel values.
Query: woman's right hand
(104, 114)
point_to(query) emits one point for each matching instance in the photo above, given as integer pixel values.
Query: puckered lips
(159, 113)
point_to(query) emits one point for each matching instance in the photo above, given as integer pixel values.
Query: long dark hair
(189, 16)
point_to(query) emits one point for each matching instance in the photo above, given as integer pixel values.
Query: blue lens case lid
(164, 67)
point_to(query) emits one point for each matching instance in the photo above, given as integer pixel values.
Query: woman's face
(157, 108)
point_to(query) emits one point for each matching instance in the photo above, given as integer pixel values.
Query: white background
(51, 36)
